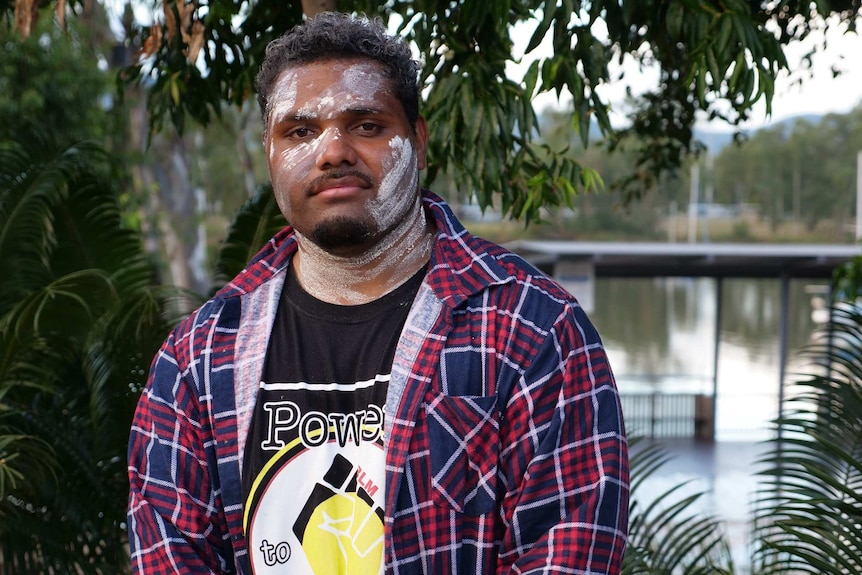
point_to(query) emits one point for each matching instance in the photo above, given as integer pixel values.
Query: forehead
(330, 83)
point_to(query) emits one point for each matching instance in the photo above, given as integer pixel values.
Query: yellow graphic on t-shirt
(341, 528)
(344, 535)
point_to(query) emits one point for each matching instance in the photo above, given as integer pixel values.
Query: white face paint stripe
(401, 178)
(283, 97)
(292, 157)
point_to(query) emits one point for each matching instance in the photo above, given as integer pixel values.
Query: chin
(341, 233)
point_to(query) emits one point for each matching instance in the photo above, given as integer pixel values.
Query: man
(378, 389)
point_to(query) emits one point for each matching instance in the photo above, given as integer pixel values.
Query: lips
(337, 182)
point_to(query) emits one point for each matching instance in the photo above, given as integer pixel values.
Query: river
(659, 334)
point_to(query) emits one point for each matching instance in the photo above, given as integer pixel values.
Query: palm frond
(80, 319)
(809, 517)
(667, 535)
(255, 223)
(27, 199)
(23, 459)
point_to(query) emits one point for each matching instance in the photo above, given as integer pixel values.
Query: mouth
(340, 184)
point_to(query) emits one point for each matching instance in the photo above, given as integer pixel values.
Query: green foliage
(255, 223)
(665, 534)
(847, 281)
(51, 80)
(714, 58)
(810, 508)
(802, 171)
(80, 318)
(741, 231)
(797, 178)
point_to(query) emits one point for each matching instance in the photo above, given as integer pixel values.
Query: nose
(335, 150)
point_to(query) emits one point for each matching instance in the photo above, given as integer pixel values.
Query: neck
(354, 280)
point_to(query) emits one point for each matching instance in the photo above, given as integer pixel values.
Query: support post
(782, 344)
(859, 195)
(719, 283)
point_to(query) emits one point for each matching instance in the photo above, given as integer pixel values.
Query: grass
(739, 230)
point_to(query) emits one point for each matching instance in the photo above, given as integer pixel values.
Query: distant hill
(715, 138)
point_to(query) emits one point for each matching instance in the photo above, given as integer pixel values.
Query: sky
(819, 94)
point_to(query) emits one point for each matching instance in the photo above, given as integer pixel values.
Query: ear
(421, 136)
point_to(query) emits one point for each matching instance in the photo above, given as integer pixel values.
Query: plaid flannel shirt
(505, 441)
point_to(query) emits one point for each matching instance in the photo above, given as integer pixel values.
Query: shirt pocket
(463, 436)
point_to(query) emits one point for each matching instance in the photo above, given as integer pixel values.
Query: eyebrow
(364, 111)
(305, 116)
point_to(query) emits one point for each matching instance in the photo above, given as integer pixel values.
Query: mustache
(320, 181)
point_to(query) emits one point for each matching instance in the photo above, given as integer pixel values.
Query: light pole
(859, 196)
(694, 195)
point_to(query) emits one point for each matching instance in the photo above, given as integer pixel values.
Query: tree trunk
(243, 152)
(797, 192)
(312, 7)
(169, 203)
(178, 210)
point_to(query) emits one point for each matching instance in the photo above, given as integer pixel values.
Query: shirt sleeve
(175, 520)
(566, 509)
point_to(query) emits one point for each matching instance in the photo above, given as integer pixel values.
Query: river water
(660, 332)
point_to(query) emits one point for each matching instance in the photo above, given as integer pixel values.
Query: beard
(341, 232)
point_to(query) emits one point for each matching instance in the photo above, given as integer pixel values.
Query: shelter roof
(626, 259)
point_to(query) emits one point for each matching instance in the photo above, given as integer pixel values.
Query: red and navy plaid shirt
(506, 450)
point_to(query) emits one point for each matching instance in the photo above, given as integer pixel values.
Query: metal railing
(667, 415)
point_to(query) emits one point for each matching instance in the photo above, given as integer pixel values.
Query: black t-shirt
(314, 463)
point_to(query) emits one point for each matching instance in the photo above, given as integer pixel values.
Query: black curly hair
(333, 35)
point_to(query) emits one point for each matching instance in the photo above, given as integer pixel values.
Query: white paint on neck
(360, 279)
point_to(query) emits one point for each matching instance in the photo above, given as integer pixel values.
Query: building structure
(576, 265)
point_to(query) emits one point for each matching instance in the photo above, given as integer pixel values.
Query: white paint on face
(282, 99)
(399, 188)
(302, 156)
(359, 84)
(327, 95)
(406, 243)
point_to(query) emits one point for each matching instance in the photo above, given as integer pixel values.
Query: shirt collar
(461, 264)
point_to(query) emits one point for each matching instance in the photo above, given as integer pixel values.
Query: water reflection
(660, 333)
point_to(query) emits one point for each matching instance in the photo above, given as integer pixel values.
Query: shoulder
(272, 258)
(536, 299)
(214, 322)
(464, 266)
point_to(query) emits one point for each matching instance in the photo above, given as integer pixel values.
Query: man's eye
(368, 128)
(300, 132)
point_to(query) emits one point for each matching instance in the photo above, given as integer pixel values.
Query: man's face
(343, 160)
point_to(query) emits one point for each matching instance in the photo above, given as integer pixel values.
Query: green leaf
(714, 68)
(542, 28)
(725, 30)
(531, 78)
(675, 17)
(174, 86)
(738, 66)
